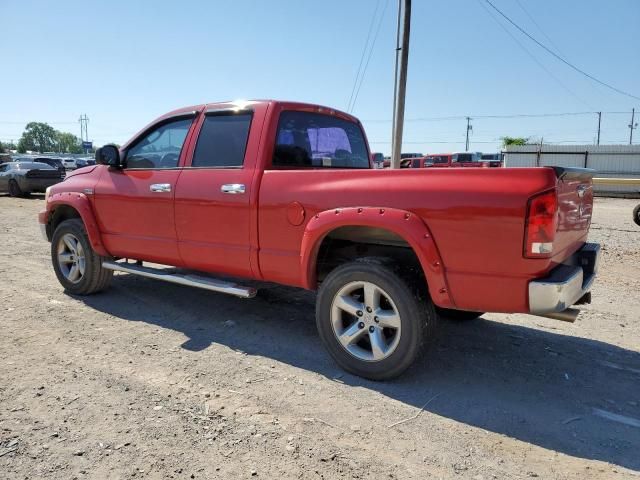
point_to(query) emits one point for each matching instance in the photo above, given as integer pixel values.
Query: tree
(506, 141)
(68, 143)
(38, 136)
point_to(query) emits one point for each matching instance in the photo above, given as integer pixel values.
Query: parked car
(377, 159)
(452, 160)
(83, 162)
(51, 161)
(493, 159)
(22, 178)
(405, 160)
(285, 193)
(69, 163)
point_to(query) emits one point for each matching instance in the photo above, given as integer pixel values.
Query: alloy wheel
(365, 321)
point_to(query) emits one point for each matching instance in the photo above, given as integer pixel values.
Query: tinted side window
(222, 141)
(464, 157)
(438, 159)
(160, 148)
(314, 140)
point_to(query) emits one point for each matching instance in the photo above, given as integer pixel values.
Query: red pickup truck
(285, 192)
(453, 160)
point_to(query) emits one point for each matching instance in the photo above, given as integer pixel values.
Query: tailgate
(575, 205)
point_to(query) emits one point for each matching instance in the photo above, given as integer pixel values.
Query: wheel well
(59, 215)
(346, 244)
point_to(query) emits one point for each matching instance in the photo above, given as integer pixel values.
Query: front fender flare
(81, 204)
(405, 224)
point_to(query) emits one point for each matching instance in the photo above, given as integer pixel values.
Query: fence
(610, 161)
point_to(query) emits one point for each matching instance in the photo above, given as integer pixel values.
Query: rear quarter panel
(476, 217)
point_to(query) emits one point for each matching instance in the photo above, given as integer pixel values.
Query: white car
(69, 163)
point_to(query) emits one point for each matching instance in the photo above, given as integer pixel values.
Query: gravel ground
(152, 380)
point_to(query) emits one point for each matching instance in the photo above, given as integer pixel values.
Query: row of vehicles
(22, 175)
(442, 160)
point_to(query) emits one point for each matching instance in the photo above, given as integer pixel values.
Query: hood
(81, 171)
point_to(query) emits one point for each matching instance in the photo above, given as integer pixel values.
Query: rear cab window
(313, 140)
(222, 142)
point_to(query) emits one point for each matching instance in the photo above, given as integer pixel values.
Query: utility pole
(84, 132)
(632, 126)
(402, 60)
(469, 128)
(599, 118)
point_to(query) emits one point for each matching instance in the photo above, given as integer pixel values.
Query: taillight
(541, 225)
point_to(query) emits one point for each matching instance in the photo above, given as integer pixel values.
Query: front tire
(373, 322)
(78, 268)
(636, 215)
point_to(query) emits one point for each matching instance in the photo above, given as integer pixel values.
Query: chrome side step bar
(190, 280)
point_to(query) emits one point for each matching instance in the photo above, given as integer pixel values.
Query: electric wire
(366, 65)
(534, 58)
(364, 51)
(563, 60)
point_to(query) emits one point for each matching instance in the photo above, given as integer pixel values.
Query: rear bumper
(567, 283)
(38, 184)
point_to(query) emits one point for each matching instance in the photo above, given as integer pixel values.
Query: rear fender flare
(81, 204)
(405, 224)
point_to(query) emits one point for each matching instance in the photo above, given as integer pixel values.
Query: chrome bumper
(43, 231)
(567, 283)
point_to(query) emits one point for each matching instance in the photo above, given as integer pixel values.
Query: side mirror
(109, 155)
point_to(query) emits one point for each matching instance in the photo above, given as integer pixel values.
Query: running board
(190, 280)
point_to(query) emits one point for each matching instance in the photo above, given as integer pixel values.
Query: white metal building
(617, 161)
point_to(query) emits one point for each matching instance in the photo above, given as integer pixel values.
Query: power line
(566, 62)
(533, 57)
(538, 26)
(366, 65)
(515, 115)
(364, 51)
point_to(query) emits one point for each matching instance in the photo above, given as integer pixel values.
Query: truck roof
(242, 104)
(285, 104)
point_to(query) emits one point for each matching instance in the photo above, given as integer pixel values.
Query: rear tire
(14, 189)
(78, 268)
(458, 315)
(636, 214)
(372, 321)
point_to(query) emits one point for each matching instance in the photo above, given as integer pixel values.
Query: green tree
(38, 136)
(68, 143)
(2, 147)
(506, 141)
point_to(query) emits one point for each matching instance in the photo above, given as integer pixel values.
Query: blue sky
(123, 63)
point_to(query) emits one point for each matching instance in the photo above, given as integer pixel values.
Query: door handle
(233, 188)
(160, 187)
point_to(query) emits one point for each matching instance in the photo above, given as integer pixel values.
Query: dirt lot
(152, 380)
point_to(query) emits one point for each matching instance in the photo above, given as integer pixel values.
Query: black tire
(95, 278)
(636, 214)
(418, 317)
(458, 315)
(14, 189)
